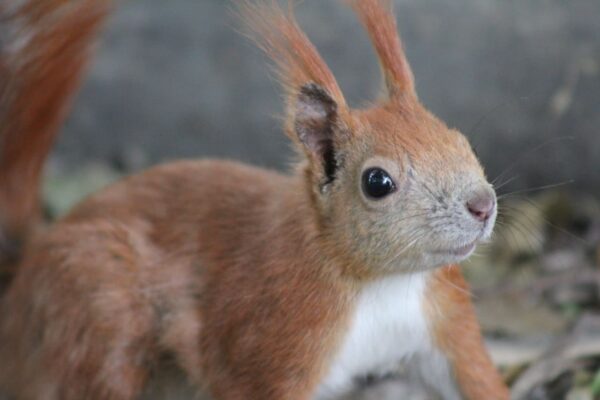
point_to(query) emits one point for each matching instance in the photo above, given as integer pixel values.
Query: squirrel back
(44, 49)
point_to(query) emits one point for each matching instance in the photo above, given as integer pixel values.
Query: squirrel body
(255, 284)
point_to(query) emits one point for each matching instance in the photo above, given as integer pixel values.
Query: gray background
(174, 79)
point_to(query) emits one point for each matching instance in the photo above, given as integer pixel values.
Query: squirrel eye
(377, 183)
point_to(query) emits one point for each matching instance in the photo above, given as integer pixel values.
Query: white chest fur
(388, 327)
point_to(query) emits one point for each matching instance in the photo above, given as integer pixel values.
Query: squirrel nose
(482, 206)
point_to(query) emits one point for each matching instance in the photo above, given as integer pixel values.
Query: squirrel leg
(458, 337)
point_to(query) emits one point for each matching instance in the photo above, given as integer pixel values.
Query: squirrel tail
(44, 48)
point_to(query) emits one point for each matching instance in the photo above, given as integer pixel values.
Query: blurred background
(521, 78)
(175, 79)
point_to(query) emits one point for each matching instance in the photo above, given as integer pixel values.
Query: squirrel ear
(315, 119)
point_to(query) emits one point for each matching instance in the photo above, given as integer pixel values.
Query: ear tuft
(296, 59)
(378, 18)
(316, 114)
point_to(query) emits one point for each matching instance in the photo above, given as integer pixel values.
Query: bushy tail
(44, 47)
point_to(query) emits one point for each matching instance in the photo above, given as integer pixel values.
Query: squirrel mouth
(462, 251)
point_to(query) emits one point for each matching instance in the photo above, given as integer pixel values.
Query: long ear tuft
(279, 36)
(377, 16)
(315, 103)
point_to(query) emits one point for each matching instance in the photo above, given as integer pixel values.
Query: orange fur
(378, 18)
(245, 279)
(297, 60)
(457, 332)
(41, 66)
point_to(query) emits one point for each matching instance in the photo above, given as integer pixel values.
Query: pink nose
(482, 206)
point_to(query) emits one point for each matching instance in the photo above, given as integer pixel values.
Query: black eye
(376, 183)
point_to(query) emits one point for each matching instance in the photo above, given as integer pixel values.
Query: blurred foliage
(537, 290)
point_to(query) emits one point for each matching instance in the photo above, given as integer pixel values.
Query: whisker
(529, 152)
(408, 217)
(429, 191)
(449, 283)
(506, 182)
(565, 231)
(407, 247)
(536, 189)
(471, 131)
(509, 231)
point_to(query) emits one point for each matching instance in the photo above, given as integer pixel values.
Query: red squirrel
(256, 284)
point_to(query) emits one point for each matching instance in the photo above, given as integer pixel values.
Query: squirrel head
(394, 188)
